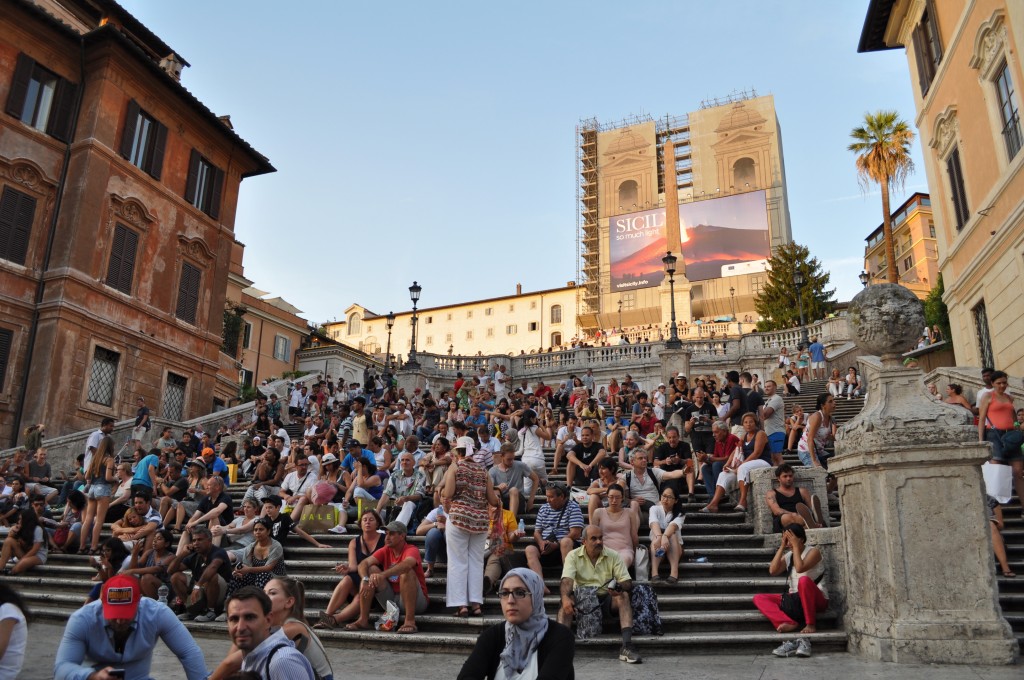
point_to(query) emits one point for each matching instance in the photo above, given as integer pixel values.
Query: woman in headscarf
(526, 646)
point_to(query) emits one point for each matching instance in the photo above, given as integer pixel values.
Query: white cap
(465, 443)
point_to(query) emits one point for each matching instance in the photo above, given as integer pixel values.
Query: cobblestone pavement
(350, 664)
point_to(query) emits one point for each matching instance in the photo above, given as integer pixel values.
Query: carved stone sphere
(886, 319)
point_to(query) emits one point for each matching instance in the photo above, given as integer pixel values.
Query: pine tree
(777, 302)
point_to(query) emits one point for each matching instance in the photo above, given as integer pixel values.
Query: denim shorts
(98, 490)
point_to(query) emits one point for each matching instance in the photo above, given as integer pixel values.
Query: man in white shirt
(565, 439)
(295, 485)
(93, 442)
(309, 434)
(500, 389)
(986, 377)
(401, 419)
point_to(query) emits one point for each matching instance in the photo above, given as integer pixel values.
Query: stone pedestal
(673, 360)
(763, 479)
(920, 584)
(409, 380)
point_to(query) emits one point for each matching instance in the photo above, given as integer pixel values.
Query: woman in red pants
(806, 578)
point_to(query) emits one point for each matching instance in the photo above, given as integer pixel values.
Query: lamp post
(390, 321)
(798, 281)
(732, 299)
(670, 269)
(620, 316)
(864, 278)
(414, 294)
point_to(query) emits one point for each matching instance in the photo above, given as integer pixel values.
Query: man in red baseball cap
(118, 633)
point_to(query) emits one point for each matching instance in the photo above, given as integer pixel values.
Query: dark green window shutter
(121, 269)
(156, 160)
(6, 341)
(216, 187)
(63, 111)
(130, 121)
(188, 293)
(193, 177)
(19, 85)
(17, 211)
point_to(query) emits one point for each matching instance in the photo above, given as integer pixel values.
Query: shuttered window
(204, 185)
(927, 48)
(188, 293)
(17, 210)
(143, 140)
(121, 269)
(6, 342)
(42, 99)
(957, 191)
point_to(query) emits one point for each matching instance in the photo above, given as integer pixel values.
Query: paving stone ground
(365, 665)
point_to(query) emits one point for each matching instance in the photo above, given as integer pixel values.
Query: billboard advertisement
(637, 243)
(719, 237)
(722, 235)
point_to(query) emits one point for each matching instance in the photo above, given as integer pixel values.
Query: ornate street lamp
(864, 278)
(798, 282)
(670, 269)
(732, 296)
(414, 293)
(620, 316)
(390, 321)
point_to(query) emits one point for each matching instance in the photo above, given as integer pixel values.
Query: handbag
(642, 563)
(998, 481)
(60, 536)
(580, 495)
(791, 605)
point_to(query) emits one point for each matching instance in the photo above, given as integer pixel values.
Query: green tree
(935, 312)
(882, 145)
(777, 302)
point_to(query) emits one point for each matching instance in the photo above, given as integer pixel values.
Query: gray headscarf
(522, 640)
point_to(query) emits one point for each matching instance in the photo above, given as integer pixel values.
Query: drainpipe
(48, 252)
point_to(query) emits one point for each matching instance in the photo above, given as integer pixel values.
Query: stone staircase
(708, 611)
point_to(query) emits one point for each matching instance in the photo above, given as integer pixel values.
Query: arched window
(556, 313)
(355, 324)
(371, 346)
(743, 174)
(556, 339)
(629, 194)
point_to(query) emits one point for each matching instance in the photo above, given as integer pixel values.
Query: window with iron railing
(1009, 112)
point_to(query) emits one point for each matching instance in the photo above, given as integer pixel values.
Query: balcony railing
(1011, 133)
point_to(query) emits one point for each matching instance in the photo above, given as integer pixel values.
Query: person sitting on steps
(791, 504)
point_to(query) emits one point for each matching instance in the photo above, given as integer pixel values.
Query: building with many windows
(118, 191)
(514, 324)
(964, 58)
(915, 245)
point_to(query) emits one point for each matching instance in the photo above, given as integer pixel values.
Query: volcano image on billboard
(637, 242)
(723, 231)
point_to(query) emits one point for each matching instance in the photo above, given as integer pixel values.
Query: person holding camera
(531, 436)
(806, 590)
(592, 565)
(118, 633)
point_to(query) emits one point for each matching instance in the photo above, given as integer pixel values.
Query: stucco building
(117, 211)
(510, 324)
(965, 65)
(914, 243)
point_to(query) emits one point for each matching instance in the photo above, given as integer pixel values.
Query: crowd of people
(459, 467)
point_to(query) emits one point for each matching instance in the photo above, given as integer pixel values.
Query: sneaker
(340, 529)
(184, 616)
(786, 649)
(629, 655)
(210, 615)
(222, 617)
(803, 648)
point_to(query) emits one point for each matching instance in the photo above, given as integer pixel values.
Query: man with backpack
(643, 484)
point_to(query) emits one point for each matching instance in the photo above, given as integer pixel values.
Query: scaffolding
(587, 245)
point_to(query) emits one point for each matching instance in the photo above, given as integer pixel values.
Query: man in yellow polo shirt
(593, 565)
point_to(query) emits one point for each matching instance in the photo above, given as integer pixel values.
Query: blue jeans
(436, 546)
(710, 472)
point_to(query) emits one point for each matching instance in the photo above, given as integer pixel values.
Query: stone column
(670, 360)
(920, 584)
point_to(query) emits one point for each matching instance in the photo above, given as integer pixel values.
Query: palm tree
(882, 146)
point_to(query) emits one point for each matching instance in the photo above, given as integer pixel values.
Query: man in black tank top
(790, 504)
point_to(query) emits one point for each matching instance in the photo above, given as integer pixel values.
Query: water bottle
(161, 594)
(522, 527)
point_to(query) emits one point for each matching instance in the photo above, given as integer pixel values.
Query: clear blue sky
(435, 140)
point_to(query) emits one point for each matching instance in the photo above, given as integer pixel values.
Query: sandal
(408, 629)
(672, 579)
(326, 622)
(353, 627)
(741, 508)
(1009, 574)
(462, 613)
(476, 611)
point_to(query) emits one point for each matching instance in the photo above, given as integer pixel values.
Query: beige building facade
(915, 245)
(727, 154)
(965, 64)
(514, 324)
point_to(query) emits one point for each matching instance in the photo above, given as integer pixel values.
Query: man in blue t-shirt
(147, 472)
(215, 465)
(818, 357)
(356, 450)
